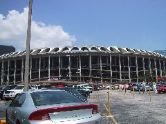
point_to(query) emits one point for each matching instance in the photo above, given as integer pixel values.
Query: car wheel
(7, 120)
(18, 122)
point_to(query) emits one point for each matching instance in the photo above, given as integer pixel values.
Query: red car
(161, 88)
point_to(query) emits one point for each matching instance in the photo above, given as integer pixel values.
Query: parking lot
(132, 107)
(126, 108)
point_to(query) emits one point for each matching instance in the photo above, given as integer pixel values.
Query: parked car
(10, 94)
(51, 107)
(135, 87)
(1, 92)
(5, 88)
(75, 92)
(161, 88)
(84, 89)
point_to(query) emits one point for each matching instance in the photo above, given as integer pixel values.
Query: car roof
(41, 90)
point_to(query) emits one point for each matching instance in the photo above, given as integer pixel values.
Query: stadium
(95, 64)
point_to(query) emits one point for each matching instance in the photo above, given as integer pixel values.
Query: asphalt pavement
(132, 107)
(126, 108)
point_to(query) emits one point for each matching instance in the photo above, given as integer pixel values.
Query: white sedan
(51, 107)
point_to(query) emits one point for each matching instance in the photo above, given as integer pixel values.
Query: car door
(13, 111)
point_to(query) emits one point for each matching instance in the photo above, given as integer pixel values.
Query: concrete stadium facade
(94, 63)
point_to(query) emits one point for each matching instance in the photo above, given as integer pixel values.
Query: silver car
(51, 107)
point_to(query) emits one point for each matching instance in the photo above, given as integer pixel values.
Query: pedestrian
(144, 86)
(139, 87)
(154, 87)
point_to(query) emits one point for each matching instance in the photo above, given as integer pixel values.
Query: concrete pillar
(143, 62)
(155, 69)
(129, 69)
(15, 71)
(120, 70)
(136, 63)
(69, 67)
(150, 67)
(59, 67)
(111, 68)
(90, 67)
(49, 67)
(160, 68)
(101, 70)
(22, 70)
(164, 68)
(8, 72)
(30, 74)
(39, 66)
(79, 70)
(2, 72)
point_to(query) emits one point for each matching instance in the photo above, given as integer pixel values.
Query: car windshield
(53, 97)
(19, 87)
(9, 87)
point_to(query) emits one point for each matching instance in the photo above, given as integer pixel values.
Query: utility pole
(26, 76)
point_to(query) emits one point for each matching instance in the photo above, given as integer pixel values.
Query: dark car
(5, 88)
(1, 91)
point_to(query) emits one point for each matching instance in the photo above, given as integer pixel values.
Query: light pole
(26, 76)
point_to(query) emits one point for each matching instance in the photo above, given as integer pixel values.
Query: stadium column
(15, 71)
(79, 67)
(120, 69)
(39, 66)
(49, 67)
(160, 68)
(22, 70)
(59, 67)
(90, 67)
(136, 62)
(150, 67)
(69, 67)
(111, 68)
(164, 68)
(129, 68)
(101, 73)
(30, 74)
(2, 72)
(143, 62)
(8, 74)
(155, 69)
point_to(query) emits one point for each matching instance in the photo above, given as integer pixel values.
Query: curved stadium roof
(75, 49)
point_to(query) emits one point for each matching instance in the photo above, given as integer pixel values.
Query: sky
(139, 24)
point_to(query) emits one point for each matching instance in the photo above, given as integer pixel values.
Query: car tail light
(43, 114)
(39, 115)
(94, 109)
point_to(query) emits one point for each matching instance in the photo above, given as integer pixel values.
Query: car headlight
(12, 93)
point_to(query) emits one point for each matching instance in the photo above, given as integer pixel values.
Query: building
(100, 64)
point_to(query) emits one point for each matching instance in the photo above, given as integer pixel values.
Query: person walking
(154, 87)
(144, 87)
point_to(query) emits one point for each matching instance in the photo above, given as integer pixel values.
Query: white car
(10, 94)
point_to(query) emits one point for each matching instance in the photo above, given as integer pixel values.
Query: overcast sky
(137, 24)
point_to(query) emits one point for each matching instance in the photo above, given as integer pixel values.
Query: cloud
(13, 28)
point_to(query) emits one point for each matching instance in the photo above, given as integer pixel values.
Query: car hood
(16, 90)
